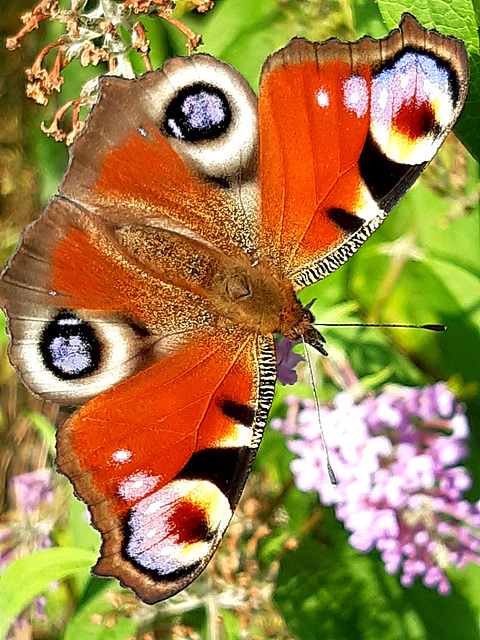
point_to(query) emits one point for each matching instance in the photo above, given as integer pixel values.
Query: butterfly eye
(69, 357)
(198, 112)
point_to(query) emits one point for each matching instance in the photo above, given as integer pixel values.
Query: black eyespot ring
(69, 347)
(198, 112)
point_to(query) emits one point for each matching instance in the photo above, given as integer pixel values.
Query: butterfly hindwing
(173, 448)
(345, 130)
(82, 312)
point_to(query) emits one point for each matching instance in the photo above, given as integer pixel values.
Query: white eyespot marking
(175, 128)
(153, 507)
(428, 88)
(122, 455)
(137, 486)
(69, 321)
(418, 85)
(142, 132)
(203, 110)
(383, 99)
(164, 539)
(355, 95)
(70, 355)
(52, 293)
(322, 98)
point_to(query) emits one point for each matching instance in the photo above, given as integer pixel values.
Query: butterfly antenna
(331, 474)
(428, 327)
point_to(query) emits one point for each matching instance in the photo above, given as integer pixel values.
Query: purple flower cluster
(27, 530)
(398, 489)
(31, 490)
(287, 360)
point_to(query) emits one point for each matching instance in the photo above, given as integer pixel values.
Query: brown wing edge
(409, 33)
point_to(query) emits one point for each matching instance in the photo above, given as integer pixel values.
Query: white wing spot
(428, 88)
(137, 486)
(355, 95)
(383, 98)
(175, 128)
(322, 98)
(153, 507)
(122, 455)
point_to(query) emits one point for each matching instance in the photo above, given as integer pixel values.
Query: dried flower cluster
(106, 33)
(399, 489)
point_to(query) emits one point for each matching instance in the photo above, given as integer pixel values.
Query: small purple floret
(287, 360)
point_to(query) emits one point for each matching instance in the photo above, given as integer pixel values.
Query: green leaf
(83, 534)
(235, 20)
(29, 577)
(368, 19)
(422, 266)
(456, 18)
(231, 624)
(320, 598)
(233, 28)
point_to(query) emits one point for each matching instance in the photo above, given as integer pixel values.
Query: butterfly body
(242, 289)
(190, 215)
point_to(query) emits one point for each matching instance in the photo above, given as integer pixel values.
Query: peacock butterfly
(189, 216)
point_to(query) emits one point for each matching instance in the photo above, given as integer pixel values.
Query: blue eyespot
(198, 112)
(69, 347)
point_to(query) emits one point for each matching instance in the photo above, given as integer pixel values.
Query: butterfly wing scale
(162, 453)
(184, 184)
(163, 446)
(72, 260)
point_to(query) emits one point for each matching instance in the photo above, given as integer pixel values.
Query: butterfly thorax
(249, 292)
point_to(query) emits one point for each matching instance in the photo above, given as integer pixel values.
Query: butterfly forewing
(156, 167)
(345, 130)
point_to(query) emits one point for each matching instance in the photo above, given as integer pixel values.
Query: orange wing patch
(131, 416)
(306, 167)
(167, 189)
(91, 270)
(345, 130)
